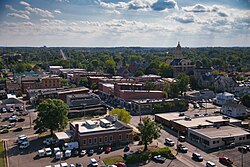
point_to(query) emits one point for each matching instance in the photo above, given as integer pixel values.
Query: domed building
(180, 64)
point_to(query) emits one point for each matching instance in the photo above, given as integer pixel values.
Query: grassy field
(113, 160)
(2, 155)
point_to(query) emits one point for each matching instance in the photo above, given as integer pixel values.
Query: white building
(223, 98)
(234, 109)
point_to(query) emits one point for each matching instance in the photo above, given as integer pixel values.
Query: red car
(225, 161)
(120, 164)
(108, 149)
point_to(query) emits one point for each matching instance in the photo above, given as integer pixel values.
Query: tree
(149, 131)
(139, 73)
(64, 82)
(246, 100)
(123, 115)
(83, 81)
(182, 82)
(52, 114)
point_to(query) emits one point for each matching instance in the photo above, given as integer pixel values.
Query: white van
(48, 152)
(70, 146)
(64, 164)
(25, 144)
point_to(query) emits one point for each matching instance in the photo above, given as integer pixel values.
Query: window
(213, 142)
(110, 138)
(90, 140)
(120, 136)
(240, 138)
(100, 139)
(106, 139)
(95, 140)
(84, 142)
(243, 138)
(127, 136)
(218, 141)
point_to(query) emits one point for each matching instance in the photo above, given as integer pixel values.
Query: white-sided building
(234, 109)
(223, 98)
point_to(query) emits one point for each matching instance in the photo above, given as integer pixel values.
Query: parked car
(79, 165)
(243, 149)
(20, 120)
(182, 148)
(225, 160)
(196, 115)
(4, 131)
(67, 154)
(91, 152)
(48, 141)
(248, 147)
(210, 164)
(197, 157)
(48, 152)
(4, 110)
(159, 158)
(100, 149)
(182, 139)
(11, 125)
(83, 152)
(72, 165)
(127, 154)
(93, 162)
(108, 149)
(24, 145)
(22, 138)
(64, 164)
(70, 146)
(169, 142)
(56, 149)
(126, 148)
(11, 110)
(120, 164)
(59, 155)
(18, 129)
(181, 114)
(41, 153)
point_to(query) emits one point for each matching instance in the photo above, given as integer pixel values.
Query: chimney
(76, 131)
(115, 118)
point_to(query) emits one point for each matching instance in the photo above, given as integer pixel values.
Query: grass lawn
(113, 160)
(2, 155)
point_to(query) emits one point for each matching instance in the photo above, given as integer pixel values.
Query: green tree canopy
(182, 82)
(149, 131)
(83, 81)
(123, 115)
(52, 114)
(246, 100)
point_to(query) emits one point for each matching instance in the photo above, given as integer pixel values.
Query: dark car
(4, 131)
(126, 148)
(197, 157)
(91, 152)
(159, 158)
(79, 165)
(225, 161)
(108, 149)
(127, 155)
(21, 120)
(182, 148)
(182, 139)
(100, 149)
(18, 129)
(243, 149)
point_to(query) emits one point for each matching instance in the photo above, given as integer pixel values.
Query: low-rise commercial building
(101, 132)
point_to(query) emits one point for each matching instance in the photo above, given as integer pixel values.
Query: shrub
(165, 152)
(138, 158)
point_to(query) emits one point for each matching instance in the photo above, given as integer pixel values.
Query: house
(55, 69)
(224, 84)
(234, 109)
(179, 64)
(101, 132)
(11, 102)
(222, 98)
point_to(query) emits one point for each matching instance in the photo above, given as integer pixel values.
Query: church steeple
(178, 54)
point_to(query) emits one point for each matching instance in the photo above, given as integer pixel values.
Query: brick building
(101, 132)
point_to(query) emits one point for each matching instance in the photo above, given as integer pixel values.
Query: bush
(138, 158)
(165, 152)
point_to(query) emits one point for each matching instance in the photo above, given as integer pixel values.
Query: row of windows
(106, 139)
(242, 138)
(217, 141)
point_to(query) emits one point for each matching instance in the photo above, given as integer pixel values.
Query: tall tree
(182, 82)
(149, 131)
(52, 114)
(123, 115)
(246, 100)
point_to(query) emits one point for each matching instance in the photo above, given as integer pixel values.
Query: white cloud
(57, 11)
(7, 6)
(196, 8)
(41, 12)
(187, 18)
(113, 12)
(156, 5)
(24, 3)
(21, 16)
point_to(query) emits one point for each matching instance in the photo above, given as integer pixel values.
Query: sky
(116, 23)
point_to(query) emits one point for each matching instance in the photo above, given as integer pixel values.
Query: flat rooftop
(84, 126)
(223, 131)
(170, 116)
